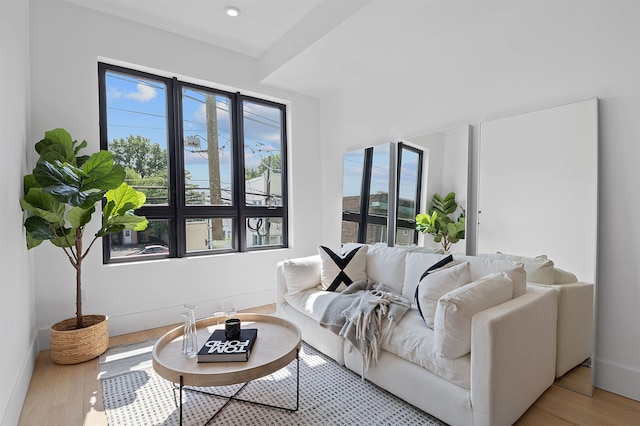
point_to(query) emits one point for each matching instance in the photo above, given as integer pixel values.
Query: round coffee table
(278, 343)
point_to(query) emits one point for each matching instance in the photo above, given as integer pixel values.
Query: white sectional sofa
(512, 359)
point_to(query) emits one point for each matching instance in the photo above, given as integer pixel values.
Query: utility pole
(215, 189)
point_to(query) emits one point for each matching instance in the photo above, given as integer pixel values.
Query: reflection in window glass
(352, 183)
(209, 234)
(262, 127)
(152, 241)
(137, 132)
(349, 232)
(405, 236)
(408, 185)
(379, 189)
(206, 121)
(264, 231)
(376, 233)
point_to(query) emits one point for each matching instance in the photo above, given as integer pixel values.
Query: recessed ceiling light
(232, 11)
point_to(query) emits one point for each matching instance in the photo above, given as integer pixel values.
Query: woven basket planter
(71, 346)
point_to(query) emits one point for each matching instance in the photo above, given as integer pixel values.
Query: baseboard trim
(618, 379)
(138, 321)
(19, 390)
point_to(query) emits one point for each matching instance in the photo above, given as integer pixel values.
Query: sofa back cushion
(385, 264)
(415, 265)
(452, 325)
(302, 273)
(539, 269)
(480, 267)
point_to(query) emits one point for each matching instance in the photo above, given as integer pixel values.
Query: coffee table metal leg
(234, 396)
(181, 386)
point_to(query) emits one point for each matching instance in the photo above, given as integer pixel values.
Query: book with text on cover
(218, 349)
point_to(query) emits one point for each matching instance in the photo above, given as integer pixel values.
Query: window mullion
(176, 168)
(365, 191)
(239, 172)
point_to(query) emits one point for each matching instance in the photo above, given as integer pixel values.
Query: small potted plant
(445, 230)
(60, 197)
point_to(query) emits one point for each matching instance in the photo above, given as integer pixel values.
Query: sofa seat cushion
(412, 340)
(311, 302)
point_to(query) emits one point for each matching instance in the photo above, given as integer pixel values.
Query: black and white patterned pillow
(340, 271)
(422, 283)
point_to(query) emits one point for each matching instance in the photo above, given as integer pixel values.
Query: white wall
(514, 58)
(64, 55)
(17, 298)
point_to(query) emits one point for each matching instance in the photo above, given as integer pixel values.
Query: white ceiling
(317, 47)
(260, 24)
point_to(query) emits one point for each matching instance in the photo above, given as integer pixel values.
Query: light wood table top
(277, 345)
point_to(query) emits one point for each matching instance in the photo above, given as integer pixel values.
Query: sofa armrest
(575, 324)
(281, 287)
(513, 356)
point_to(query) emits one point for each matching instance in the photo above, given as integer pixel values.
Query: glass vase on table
(190, 335)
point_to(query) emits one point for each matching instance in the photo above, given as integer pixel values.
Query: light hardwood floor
(71, 395)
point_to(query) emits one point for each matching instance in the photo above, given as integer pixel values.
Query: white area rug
(329, 395)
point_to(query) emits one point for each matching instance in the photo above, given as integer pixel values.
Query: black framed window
(212, 165)
(368, 177)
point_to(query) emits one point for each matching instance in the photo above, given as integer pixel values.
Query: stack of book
(219, 349)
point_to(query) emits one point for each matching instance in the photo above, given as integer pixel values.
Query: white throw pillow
(438, 283)
(539, 269)
(386, 265)
(481, 267)
(563, 277)
(339, 271)
(302, 273)
(415, 265)
(452, 325)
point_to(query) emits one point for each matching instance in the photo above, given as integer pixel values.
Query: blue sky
(353, 164)
(137, 106)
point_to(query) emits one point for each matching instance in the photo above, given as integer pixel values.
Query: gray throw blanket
(364, 314)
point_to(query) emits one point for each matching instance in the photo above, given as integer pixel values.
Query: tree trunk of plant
(78, 266)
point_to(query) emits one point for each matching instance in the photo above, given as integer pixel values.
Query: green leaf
(57, 144)
(32, 242)
(136, 223)
(77, 149)
(79, 216)
(65, 238)
(44, 206)
(29, 182)
(118, 211)
(81, 160)
(125, 199)
(39, 228)
(101, 172)
(57, 174)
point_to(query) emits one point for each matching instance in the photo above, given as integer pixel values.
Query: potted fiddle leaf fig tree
(60, 197)
(446, 230)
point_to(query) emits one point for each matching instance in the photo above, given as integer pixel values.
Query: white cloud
(201, 114)
(114, 93)
(145, 93)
